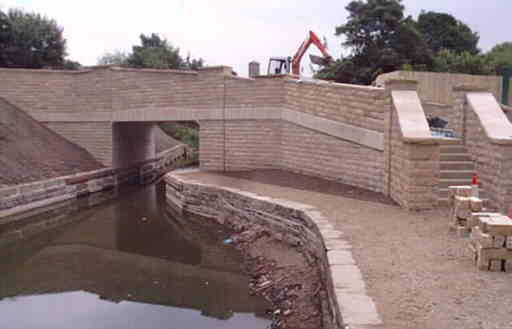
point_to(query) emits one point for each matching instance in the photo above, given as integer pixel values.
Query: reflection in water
(123, 264)
(82, 310)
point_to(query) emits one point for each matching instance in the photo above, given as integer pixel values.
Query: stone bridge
(374, 138)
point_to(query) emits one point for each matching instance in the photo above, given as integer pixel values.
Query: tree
(154, 52)
(500, 56)
(443, 31)
(30, 40)
(158, 53)
(118, 58)
(381, 40)
(465, 62)
(5, 37)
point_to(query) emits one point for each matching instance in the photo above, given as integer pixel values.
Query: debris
(228, 241)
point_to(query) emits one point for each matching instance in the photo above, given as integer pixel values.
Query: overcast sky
(235, 32)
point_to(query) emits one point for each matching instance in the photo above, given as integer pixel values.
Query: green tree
(118, 58)
(5, 37)
(465, 62)
(443, 31)
(153, 52)
(500, 56)
(381, 40)
(156, 52)
(30, 40)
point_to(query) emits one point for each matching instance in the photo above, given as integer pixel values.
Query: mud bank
(283, 249)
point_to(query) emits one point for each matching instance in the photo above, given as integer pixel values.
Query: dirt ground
(418, 273)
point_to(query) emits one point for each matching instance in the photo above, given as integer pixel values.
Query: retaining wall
(298, 225)
(295, 225)
(24, 197)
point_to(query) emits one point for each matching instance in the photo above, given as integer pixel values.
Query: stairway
(456, 168)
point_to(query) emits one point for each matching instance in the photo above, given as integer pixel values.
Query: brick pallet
(491, 242)
(464, 209)
(490, 232)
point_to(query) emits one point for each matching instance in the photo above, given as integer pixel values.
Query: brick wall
(414, 168)
(437, 87)
(211, 145)
(260, 92)
(154, 88)
(252, 144)
(37, 90)
(234, 144)
(364, 107)
(309, 152)
(95, 137)
(493, 161)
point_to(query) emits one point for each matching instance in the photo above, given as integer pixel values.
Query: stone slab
(340, 257)
(358, 309)
(348, 279)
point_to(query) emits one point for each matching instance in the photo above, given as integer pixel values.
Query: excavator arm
(312, 39)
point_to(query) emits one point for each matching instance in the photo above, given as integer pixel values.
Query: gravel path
(419, 275)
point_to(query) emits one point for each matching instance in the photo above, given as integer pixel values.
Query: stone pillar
(413, 162)
(460, 108)
(392, 137)
(133, 143)
(254, 69)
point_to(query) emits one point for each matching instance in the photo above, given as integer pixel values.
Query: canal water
(122, 260)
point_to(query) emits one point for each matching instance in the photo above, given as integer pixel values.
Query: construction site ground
(420, 275)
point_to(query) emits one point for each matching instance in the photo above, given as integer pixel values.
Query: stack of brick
(491, 242)
(464, 209)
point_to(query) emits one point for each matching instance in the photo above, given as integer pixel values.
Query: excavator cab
(279, 65)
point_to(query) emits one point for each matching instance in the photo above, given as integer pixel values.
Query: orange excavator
(282, 65)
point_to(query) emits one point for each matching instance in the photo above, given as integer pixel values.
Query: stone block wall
(95, 137)
(437, 87)
(135, 89)
(343, 139)
(493, 158)
(309, 152)
(360, 106)
(252, 144)
(38, 90)
(24, 197)
(263, 92)
(414, 155)
(211, 145)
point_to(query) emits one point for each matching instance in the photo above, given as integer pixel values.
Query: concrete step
(457, 148)
(452, 174)
(457, 165)
(444, 192)
(455, 157)
(445, 183)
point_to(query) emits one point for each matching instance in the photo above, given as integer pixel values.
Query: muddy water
(122, 263)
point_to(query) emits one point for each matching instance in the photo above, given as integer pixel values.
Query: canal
(122, 259)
